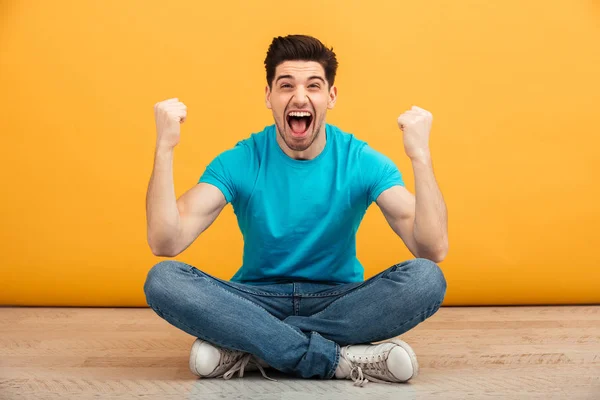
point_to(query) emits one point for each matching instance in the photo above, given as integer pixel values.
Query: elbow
(160, 248)
(436, 256)
(439, 258)
(161, 251)
(441, 255)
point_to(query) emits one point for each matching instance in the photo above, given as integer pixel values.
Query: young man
(299, 188)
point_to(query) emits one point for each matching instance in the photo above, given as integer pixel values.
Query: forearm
(162, 214)
(431, 221)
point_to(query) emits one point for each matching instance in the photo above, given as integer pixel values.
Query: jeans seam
(393, 268)
(336, 346)
(437, 305)
(210, 281)
(203, 336)
(262, 308)
(193, 270)
(296, 305)
(329, 294)
(336, 362)
(348, 291)
(366, 283)
(294, 298)
(354, 290)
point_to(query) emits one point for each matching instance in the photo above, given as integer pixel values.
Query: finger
(175, 103)
(419, 109)
(408, 116)
(416, 115)
(403, 120)
(176, 118)
(175, 107)
(175, 110)
(179, 113)
(422, 110)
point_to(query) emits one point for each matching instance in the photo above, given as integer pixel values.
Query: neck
(314, 150)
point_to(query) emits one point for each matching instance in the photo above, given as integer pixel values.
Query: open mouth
(299, 122)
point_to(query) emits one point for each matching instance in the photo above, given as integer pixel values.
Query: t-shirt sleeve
(225, 171)
(378, 173)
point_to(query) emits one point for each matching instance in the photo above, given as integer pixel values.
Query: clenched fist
(416, 124)
(169, 115)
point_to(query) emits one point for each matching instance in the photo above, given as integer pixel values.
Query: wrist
(163, 150)
(423, 157)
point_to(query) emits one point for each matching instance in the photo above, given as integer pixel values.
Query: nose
(300, 97)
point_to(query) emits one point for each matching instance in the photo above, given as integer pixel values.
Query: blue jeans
(296, 327)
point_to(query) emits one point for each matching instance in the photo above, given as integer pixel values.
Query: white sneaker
(210, 361)
(389, 361)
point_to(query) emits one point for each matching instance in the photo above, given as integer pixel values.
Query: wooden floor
(464, 352)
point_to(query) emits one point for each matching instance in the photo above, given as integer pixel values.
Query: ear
(332, 97)
(268, 97)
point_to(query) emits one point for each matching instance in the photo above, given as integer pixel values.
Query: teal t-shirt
(299, 218)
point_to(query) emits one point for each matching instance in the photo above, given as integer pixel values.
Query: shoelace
(240, 365)
(363, 378)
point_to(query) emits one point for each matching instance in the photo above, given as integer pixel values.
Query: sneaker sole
(411, 354)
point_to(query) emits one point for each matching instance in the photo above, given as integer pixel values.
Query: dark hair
(301, 48)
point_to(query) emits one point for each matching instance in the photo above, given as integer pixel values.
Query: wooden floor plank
(525, 352)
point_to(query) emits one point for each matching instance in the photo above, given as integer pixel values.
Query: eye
(316, 85)
(286, 85)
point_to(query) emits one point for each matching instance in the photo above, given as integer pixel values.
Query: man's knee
(427, 281)
(429, 277)
(160, 279)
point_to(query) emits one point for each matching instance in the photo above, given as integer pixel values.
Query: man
(299, 188)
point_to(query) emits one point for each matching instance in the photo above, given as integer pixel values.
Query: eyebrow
(291, 77)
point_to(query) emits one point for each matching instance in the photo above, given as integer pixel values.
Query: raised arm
(172, 225)
(420, 220)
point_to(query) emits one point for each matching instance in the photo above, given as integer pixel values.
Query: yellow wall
(514, 88)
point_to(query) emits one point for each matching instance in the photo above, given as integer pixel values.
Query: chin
(300, 144)
(294, 143)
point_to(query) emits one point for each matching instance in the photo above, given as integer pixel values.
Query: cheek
(320, 103)
(279, 104)
(277, 109)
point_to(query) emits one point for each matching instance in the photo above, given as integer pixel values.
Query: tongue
(298, 125)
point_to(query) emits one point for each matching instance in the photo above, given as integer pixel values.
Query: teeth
(299, 114)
